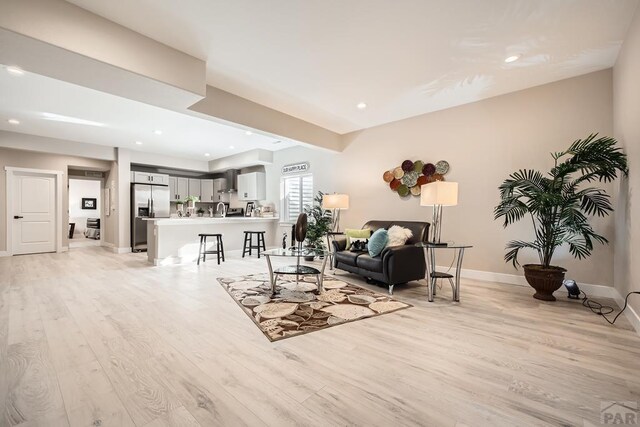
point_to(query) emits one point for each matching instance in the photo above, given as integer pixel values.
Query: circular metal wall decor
(442, 167)
(408, 178)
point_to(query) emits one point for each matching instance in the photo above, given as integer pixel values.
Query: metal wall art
(407, 178)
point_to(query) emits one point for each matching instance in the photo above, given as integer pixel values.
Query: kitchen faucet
(224, 209)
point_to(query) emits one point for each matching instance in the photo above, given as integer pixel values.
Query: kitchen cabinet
(173, 188)
(194, 188)
(183, 188)
(219, 184)
(252, 186)
(149, 178)
(159, 179)
(206, 191)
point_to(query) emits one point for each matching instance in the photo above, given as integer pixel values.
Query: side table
(432, 275)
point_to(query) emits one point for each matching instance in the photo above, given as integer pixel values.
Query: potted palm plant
(320, 221)
(559, 206)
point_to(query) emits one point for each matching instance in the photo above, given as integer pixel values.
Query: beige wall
(626, 109)
(33, 160)
(483, 142)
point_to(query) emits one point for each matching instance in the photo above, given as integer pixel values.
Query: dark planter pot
(544, 280)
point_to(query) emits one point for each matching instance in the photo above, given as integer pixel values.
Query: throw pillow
(398, 236)
(377, 242)
(365, 233)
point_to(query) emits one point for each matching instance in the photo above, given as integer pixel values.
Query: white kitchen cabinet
(173, 188)
(219, 184)
(159, 179)
(149, 178)
(252, 186)
(206, 191)
(183, 188)
(194, 187)
(141, 177)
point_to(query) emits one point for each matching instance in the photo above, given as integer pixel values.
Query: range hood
(232, 181)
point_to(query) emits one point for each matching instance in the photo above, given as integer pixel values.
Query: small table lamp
(335, 202)
(438, 194)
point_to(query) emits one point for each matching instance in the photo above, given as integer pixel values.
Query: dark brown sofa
(395, 265)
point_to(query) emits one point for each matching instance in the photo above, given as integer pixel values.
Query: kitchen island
(175, 240)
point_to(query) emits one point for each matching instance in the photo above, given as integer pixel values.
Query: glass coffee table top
(304, 252)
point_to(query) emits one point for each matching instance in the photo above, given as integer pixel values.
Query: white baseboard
(630, 313)
(513, 279)
(4, 253)
(120, 250)
(64, 249)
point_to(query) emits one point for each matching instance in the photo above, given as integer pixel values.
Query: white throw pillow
(398, 236)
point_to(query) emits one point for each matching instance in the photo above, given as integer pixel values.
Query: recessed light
(67, 119)
(16, 71)
(14, 121)
(361, 106)
(207, 154)
(249, 133)
(512, 58)
(231, 147)
(157, 132)
(138, 142)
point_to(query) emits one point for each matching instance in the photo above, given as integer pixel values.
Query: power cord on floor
(603, 310)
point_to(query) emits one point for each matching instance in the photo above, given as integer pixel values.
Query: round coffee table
(297, 269)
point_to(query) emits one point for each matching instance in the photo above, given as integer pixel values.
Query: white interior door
(34, 213)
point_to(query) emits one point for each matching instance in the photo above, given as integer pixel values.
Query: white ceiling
(27, 97)
(316, 59)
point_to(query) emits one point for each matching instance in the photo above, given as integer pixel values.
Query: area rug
(297, 309)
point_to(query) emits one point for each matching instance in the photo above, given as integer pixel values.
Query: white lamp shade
(439, 193)
(335, 201)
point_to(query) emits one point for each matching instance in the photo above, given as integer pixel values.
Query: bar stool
(248, 239)
(203, 252)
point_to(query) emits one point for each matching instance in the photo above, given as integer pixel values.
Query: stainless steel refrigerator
(147, 201)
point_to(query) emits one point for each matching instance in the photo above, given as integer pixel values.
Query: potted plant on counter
(559, 206)
(200, 212)
(320, 221)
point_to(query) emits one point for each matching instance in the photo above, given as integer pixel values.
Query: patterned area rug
(297, 309)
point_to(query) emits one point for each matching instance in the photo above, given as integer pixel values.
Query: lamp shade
(439, 193)
(335, 201)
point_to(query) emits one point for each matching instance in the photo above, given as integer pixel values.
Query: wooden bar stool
(203, 252)
(248, 242)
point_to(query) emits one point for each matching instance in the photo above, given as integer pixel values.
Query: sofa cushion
(419, 229)
(377, 242)
(355, 234)
(366, 262)
(398, 236)
(347, 257)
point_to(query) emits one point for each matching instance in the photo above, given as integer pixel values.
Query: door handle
(17, 217)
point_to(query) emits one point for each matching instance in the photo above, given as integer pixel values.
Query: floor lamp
(336, 202)
(438, 194)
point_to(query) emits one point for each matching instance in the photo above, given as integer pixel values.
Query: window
(296, 192)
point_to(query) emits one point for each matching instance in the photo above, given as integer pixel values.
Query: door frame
(57, 175)
(102, 182)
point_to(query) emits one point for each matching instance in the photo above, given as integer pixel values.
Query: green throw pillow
(377, 242)
(365, 233)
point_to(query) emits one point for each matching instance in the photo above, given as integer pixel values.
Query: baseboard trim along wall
(593, 291)
(120, 250)
(4, 253)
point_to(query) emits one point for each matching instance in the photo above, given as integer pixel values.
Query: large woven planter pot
(544, 280)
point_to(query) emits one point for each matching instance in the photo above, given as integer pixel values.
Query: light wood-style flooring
(89, 338)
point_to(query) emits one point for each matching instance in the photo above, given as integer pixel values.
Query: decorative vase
(544, 280)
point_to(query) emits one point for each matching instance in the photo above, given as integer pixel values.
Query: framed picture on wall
(89, 203)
